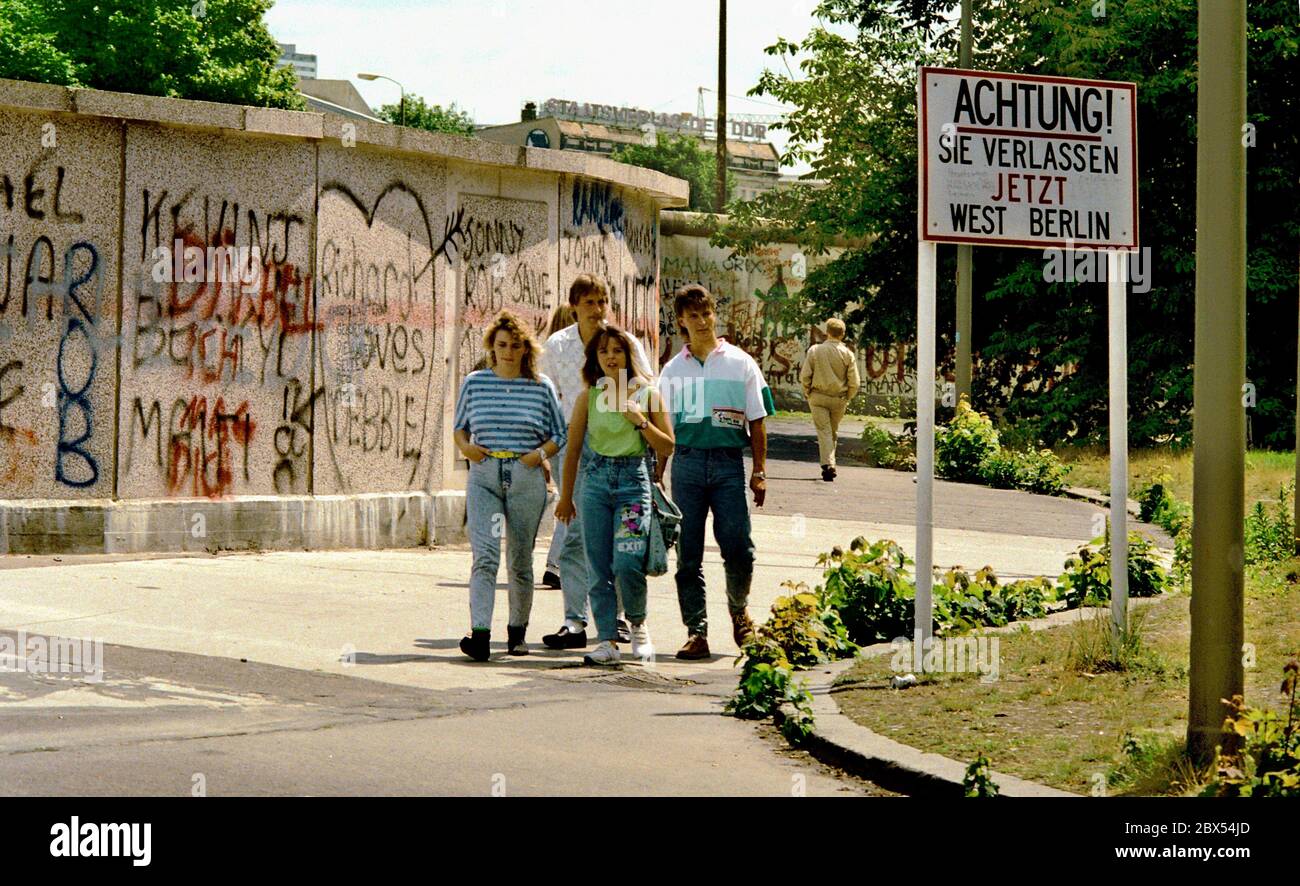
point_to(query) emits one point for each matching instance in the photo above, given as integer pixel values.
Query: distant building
(335, 97)
(600, 129)
(303, 65)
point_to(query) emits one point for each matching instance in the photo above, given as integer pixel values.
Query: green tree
(213, 50)
(434, 118)
(681, 156)
(27, 50)
(855, 122)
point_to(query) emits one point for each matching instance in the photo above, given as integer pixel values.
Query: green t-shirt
(608, 432)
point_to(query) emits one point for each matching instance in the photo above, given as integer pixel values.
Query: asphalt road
(178, 709)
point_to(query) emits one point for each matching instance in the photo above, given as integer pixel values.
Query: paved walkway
(238, 666)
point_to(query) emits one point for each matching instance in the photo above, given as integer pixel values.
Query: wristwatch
(645, 423)
(760, 475)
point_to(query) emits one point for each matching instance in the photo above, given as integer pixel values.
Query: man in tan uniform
(830, 380)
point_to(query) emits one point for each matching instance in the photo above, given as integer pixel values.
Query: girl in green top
(620, 416)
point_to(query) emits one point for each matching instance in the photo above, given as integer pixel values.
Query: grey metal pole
(720, 195)
(1219, 426)
(964, 251)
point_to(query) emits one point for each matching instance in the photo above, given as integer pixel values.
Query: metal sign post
(1038, 162)
(1117, 286)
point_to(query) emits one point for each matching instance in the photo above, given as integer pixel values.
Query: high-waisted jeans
(504, 498)
(704, 480)
(615, 527)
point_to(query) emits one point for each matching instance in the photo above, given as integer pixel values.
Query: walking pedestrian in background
(507, 421)
(830, 380)
(620, 417)
(563, 357)
(561, 318)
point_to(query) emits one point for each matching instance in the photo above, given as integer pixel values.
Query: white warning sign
(1027, 160)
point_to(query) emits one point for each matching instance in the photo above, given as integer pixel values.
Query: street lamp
(402, 111)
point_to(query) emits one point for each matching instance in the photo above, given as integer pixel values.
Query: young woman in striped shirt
(508, 419)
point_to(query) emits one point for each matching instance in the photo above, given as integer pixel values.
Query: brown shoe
(696, 648)
(742, 628)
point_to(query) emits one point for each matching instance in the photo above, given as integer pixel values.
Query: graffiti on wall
(615, 236)
(748, 291)
(502, 263)
(376, 353)
(218, 344)
(56, 340)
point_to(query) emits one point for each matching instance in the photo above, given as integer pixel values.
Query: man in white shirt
(562, 358)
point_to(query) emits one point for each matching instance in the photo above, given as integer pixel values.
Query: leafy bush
(1268, 764)
(978, 780)
(886, 450)
(963, 602)
(961, 447)
(1156, 504)
(1033, 471)
(805, 628)
(1086, 579)
(1270, 532)
(870, 588)
(766, 682)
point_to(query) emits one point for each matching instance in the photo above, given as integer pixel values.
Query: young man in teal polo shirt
(718, 400)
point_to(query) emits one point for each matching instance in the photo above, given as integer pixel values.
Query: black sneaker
(624, 631)
(828, 473)
(477, 645)
(566, 639)
(551, 579)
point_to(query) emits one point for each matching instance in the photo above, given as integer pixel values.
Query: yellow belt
(501, 453)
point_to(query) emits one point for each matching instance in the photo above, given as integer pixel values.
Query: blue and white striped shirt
(513, 414)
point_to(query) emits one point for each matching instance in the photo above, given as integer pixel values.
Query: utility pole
(1219, 425)
(720, 197)
(964, 250)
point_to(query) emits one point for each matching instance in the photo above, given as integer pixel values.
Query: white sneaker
(604, 654)
(642, 648)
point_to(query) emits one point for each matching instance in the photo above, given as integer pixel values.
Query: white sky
(490, 56)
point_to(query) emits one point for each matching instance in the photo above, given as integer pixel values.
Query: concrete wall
(331, 369)
(746, 289)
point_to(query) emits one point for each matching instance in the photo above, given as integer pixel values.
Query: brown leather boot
(696, 648)
(742, 628)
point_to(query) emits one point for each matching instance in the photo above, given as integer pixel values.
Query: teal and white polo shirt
(712, 403)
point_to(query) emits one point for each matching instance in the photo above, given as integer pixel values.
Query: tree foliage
(435, 118)
(214, 50)
(855, 122)
(681, 156)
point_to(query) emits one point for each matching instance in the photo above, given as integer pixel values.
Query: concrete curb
(1083, 493)
(837, 740)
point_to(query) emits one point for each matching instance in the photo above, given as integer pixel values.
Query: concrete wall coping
(665, 190)
(703, 224)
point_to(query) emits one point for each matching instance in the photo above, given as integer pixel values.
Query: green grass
(1090, 466)
(1051, 720)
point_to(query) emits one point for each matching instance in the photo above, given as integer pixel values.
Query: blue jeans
(705, 479)
(504, 497)
(615, 518)
(574, 577)
(557, 537)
